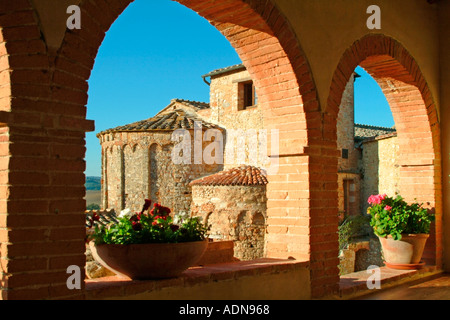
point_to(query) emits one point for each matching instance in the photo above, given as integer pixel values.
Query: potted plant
(150, 244)
(402, 228)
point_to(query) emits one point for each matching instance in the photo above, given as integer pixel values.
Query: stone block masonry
(139, 166)
(234, 204)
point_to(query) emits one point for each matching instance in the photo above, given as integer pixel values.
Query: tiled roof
(241, 176)
(225, 70)
(105, 217)
(177, 119)
(363, 132)
(193, 104)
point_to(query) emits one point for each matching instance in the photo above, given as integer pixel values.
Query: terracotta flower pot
(149, 261)
(405, 253)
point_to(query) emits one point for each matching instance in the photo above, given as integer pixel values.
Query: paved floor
(435, 289)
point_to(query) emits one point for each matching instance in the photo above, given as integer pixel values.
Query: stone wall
(380, 168)
(346, 130)
(360, 255)
(225, 112)
(349, 194)
(389, 167)
(135, 164)
(235, 213)
(139, 166)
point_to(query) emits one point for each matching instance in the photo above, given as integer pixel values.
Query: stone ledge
(116, 287)
(355, 284)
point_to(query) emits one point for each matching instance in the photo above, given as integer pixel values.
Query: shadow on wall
(370, 173)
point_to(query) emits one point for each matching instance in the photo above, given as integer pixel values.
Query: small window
(247, 95)
(344, 153)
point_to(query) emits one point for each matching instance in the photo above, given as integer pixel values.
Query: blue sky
(157, 51)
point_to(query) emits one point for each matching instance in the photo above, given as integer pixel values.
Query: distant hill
(93, 183)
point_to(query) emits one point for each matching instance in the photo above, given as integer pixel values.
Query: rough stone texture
(135, 171)
(371, 256)
(225, 112)
(138, 165)
(360, 255)
(380, 167)
(349, 178)
(349, 190)
(94, 269)
(235, 213)
(346, 129)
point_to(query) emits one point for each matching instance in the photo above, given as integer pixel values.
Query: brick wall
(45, 89)
(42, 165)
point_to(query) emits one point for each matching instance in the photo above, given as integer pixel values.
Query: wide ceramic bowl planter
(149, 261)
(405, 253)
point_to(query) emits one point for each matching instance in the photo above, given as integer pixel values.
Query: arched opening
(266, 57)
(416, 172)
(269, 50)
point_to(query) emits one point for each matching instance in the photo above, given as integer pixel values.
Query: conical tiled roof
(177, 119)
(242, 176)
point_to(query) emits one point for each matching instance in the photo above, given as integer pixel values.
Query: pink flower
(374, 200)
(388, 208)
(377, 199)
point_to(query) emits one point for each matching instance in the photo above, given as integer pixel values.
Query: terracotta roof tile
(177, 119)
(363, 132)
(106, 217)
(241, 176)
(237, 67)
(194, 104)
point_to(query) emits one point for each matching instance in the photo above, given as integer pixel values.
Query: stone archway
(415, 115)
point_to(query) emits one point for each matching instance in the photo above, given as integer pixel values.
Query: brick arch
(22, 57)
(25, 85)
(270, 51)
(49, 111)
(415, 114)
(256, 29)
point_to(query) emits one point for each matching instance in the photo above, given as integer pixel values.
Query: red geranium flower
(135, 218)
(137, 226)
(147, 204)
(95, 217)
